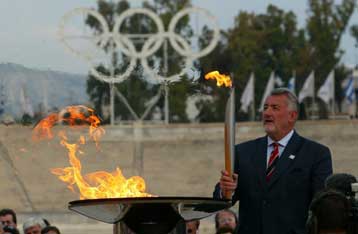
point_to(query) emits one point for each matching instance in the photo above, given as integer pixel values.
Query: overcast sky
(28, 34)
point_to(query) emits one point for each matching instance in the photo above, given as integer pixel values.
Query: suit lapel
(287, 158)
(259, 159)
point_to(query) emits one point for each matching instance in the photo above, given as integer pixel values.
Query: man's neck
(280, 137)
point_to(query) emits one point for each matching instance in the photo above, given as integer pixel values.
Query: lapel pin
(292, 157)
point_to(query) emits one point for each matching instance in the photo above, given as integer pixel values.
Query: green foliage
(325, 27)
(259, 44)
(272, 41)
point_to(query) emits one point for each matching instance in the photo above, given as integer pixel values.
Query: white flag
(25, 103)
(307, 89)
(269, 87)
(278, 81)
(248, 95)
(292, 85)
(326, 91)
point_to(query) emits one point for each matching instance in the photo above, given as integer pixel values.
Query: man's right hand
(228, 183)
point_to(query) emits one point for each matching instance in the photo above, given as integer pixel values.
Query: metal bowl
(148, 215)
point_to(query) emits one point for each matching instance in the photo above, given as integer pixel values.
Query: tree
(325, 26)
(260, 44)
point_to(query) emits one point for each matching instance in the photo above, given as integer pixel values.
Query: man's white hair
(33, 221)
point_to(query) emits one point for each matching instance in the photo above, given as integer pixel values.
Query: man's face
(191, 227)
(7, 220)
(226, 220)
(278, 119)
(33, 230)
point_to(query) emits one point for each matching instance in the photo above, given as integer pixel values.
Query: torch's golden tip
(221, 79)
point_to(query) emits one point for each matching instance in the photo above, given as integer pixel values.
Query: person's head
(342, 182)
(10, 230)
(50, 230)
(33, 225)
(280, 113)
(192, 227)
(329, 213)
(225, 221)
(8, 217)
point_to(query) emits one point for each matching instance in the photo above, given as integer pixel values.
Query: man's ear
(293, 116)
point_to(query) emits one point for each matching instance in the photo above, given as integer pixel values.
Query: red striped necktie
(272, 161)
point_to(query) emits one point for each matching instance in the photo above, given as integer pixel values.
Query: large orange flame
(99, 184)
(221, 79)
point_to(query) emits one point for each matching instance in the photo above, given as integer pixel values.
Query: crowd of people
(32, 225)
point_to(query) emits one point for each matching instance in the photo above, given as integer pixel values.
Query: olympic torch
(229, 128)
(229, 138)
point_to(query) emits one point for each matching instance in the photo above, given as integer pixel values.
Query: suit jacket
(281, 205)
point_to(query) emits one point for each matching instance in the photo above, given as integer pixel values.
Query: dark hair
(342, 182)
(329, 210)
(221, 211)
(46, 222)
(10, 229)
(4, 212)
(50, 228)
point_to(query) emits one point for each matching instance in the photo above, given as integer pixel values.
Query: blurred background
(165, 123)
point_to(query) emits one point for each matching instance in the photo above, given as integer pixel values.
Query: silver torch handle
(230, 135)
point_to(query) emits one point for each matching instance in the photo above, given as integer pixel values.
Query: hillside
(22, 88)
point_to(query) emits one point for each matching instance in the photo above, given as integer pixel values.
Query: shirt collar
(283, 142)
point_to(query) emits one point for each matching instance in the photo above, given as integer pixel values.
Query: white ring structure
(172, 78)
(98, 41)
(190, 53)
(153, 43)
(118, 37)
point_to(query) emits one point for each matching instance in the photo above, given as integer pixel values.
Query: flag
(278, 81)
(326, 91)
(349, 91)
(247, 96)
(269, 87)
(307, 89)
(25, 103)
(292, 84)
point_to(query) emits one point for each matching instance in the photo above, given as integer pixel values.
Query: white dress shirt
(282, 145)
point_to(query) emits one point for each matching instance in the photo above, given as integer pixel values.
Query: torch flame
(99, 184)
(221, 79)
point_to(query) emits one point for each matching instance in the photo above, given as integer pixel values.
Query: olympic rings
(153, 74)
(118, 36)
(100, 40)
(189, 53)
(153, 43)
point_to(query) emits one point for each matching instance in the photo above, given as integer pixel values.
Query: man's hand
(228, 183)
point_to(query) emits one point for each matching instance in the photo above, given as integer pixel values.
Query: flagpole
(253, 99)
(334, 96)
(313, 97)
(294, 81)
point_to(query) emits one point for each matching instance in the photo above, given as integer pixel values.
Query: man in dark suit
(276, 176)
